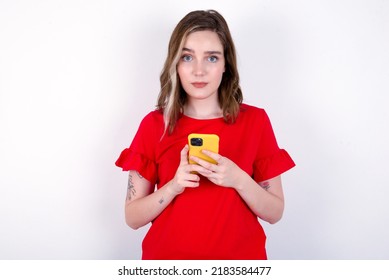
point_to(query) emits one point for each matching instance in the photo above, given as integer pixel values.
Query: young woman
(203, 210)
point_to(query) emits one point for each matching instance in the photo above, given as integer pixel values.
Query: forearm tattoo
(161, 200)
(130, 188)
(265, 185)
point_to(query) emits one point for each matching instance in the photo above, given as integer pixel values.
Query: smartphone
(198, 142)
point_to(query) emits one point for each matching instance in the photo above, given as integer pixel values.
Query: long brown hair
(172, 96)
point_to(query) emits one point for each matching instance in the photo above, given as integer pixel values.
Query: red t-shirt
(208, 222)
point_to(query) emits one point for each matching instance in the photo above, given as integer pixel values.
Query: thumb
(184, 155)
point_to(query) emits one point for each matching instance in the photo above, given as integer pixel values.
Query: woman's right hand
(143, 204)
(184, 178)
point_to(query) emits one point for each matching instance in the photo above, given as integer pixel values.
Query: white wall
(76, 77)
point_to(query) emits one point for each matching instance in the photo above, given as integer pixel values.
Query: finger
(184, 155)
(203, 163)
(209, 175)
(218, 158)
(190, 184)
(198, 168)
(213, 177)
(192, 177)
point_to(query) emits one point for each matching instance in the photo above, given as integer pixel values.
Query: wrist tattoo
(265, 185)
(161, 200)
(130, 188)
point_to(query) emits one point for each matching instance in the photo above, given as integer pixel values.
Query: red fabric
(208, 222)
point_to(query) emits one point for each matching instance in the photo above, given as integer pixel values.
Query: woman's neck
(202, 109)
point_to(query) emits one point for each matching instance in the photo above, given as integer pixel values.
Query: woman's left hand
(266, 204)
(225, 173)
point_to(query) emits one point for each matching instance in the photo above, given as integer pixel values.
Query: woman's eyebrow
(188, 50)
(207, 52)
(214, 52)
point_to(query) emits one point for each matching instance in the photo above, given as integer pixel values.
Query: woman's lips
(199, 84)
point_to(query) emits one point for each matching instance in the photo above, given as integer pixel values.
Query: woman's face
(202, 65)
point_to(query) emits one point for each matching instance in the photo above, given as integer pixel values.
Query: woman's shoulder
(251, 111)
(152, 122)
(153, 118)
(152, 125)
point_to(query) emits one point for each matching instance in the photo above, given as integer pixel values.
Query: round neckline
(191, 118)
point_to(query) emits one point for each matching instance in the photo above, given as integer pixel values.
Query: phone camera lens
(196, 141)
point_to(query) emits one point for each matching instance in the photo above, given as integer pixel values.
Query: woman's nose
(199, 69)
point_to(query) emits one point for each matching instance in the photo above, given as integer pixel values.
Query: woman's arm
(143, 204)
(267, 201)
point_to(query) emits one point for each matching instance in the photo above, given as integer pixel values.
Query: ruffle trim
(130, 160)
(273, 166)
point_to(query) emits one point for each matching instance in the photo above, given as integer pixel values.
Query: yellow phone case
(198, 142)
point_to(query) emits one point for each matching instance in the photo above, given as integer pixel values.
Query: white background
(76, 78)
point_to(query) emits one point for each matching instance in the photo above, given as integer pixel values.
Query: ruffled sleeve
(272, 166)
(140, 156)
(271, 161)
(130, 160)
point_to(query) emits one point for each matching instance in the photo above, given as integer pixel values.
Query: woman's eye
(212, 58)
(187, 58)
